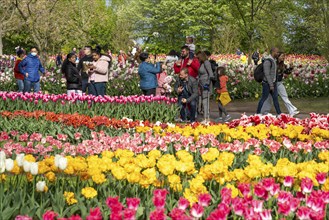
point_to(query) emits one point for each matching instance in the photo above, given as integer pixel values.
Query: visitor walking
(18, 75)
(147, 73)
(72, 75)
(205, 74)
(223, 97)
(281, 71)
(269, 82)
(30, 67)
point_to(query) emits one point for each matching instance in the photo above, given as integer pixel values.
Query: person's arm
(101, 67)
(267, 72)
(80, 65)
(177, 68)
(151, 69)
(21, 67)
(194, 92)
(69, 74)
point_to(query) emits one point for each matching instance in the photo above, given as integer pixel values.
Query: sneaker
(294, 113)
(220, 119)
(205, 122)
(179, 120)
(227, 118)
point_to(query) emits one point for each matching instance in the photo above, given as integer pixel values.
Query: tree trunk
(1, 44)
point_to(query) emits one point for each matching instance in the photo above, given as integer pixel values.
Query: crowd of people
(198, 77)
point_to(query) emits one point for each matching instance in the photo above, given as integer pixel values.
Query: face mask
(33, 53)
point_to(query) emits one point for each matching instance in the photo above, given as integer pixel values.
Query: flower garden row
(309, 77)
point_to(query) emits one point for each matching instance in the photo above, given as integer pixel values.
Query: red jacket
(192, 69)
(17, 73)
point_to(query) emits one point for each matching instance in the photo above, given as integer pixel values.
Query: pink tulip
(177, 214)
(160, 192)
(238, 206)
(95, 214)
(129, 214)
(294, 204)
(157, 214)
(217, 215)
(303, 213)
(116, 216)
(132, 203)
(112, 201)
(321, 178)
(244, 188)
(196, 210)
(74, 217)
(284, 196)
(183, 203)
(260, 191)
(226, 195)
(204, 199)
(257, 205)
(306, 185)
(288, 181)
(49, 215)
(284, 209)
(266, 214)
(159, 202)
(315, 203)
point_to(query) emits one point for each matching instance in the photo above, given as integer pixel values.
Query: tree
(7, 20)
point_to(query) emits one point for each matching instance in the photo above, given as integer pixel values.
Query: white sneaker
(294, 113)
(227, 118)
(205, 122)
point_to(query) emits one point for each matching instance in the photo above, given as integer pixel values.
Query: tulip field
(123, 157)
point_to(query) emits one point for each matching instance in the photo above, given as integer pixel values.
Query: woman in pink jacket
(98, 74)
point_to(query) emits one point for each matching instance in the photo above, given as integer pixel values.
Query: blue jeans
(97, 88)
(187, 109)
(20, 84)
(265, 94)
(84, 85)
(28, 85)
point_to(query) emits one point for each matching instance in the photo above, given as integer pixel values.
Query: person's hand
(27, 75)
(189, 62)
(184, 100)
(271, 89)
(178, 62)
(180, 89)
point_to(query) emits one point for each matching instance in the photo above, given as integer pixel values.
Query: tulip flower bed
(158, 108)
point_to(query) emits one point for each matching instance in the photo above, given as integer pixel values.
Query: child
(190, 44)
(223, 97)
(18, 75)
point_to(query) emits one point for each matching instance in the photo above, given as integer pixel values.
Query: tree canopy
(220, 26)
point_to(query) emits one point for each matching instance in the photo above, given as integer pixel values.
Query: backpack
(215, 81)
(259, 71)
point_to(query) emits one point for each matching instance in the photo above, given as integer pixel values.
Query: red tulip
(159, 202)
(284, 209)
(129, 214)
(157, 214)
(73, 217)
(95, 214)
(321, 178)
(288, 181)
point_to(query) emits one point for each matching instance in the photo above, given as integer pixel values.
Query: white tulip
(2, 166)
(41, 185)
(20, 159)
(57, 157)
(62, 163)
(2, 155)
(34, 168)
(9, 164)
(26, 166)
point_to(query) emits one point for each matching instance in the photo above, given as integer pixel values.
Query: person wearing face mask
(30, 67)
(72, 75)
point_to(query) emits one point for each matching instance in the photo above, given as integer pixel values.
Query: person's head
(274, 52)
(202, 57)
(34, 51)
(144, 57)
(87, 50)
(183, 74)
(221, 71)
(281, 57)
(208, 54)
(172, 53)
(20, 53)
(185, 51)
(189, 39)
(71, 57)
(74, 49)
(109, 51)
(96, 54)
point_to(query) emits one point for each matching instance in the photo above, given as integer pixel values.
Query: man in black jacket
(82, 67)
(187, 90)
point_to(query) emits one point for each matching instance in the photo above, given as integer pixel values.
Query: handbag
(225, 98)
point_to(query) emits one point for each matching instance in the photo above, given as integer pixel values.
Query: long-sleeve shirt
(192, 69)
